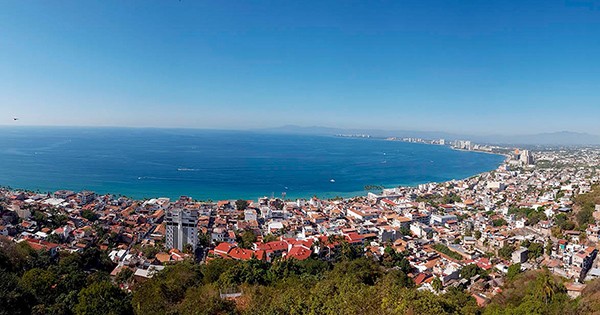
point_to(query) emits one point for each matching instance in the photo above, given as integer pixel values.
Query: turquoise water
(208, 164)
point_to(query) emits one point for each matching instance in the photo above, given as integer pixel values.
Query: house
(224, 248)
(520, 255)
(37, 245)
(299, 253)
(241, 253)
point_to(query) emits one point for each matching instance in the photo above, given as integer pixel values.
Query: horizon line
(467, 134)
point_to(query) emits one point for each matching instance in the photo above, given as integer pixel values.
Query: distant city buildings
(463, 144)
(526, 157)
(181, 228)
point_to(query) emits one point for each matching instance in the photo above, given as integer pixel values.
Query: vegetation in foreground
(35, 283)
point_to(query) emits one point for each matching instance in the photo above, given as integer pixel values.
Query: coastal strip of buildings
(516, 215)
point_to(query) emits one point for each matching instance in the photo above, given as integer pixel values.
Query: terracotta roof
(163, 257)
(277, 245)
(420, 278)
(240, 253)
(299, 252)
(224, 248)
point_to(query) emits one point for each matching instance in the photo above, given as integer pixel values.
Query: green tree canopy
(103, 298)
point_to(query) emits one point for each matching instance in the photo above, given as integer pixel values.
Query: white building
(437, 219)
(520, 255)
(250, 215)
(526, 157)
(182, 228)
(497, 186)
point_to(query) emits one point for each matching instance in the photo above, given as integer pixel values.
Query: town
(534, 211)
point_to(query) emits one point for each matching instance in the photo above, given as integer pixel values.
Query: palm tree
(547, 287)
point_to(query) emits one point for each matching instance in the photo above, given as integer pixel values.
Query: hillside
(33, 282)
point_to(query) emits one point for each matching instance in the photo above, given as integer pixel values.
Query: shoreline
(344, 196)
(154, 190)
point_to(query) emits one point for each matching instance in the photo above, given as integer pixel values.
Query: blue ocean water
(208, 164)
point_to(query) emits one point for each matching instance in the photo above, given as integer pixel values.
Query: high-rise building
(182, 228)
(526, 157)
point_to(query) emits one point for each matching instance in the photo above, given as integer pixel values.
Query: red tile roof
(241, 254)
(224, 248)
(299, 252)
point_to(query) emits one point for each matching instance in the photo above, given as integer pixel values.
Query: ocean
(211, 164)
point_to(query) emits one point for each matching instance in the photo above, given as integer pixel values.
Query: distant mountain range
(562, 138)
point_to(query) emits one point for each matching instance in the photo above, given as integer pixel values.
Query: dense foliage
(534, 292)
(35, 283)
(585, 204)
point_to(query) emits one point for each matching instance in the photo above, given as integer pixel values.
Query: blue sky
(487, 67)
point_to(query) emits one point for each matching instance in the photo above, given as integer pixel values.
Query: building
(250, 215)
(181, 226)
(526, 157)
(63, 194)
(86, 196)
(437, 219)
(463, 144)
(496, 186)
(520, 255)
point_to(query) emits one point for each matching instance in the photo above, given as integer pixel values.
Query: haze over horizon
(467, 68)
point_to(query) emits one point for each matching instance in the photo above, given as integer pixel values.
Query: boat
(332, 180)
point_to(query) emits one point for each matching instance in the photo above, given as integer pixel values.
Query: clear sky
(490, 67)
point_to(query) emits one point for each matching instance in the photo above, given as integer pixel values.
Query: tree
(533, 292)
(124, 275)
(457, 301)
(499, 222)
(39, 217)
(436, 284)
(585, 216)
(39, 282)
(205, 300)
(471, 270)
(188, 248)
(241, 204)
(246, 239)
(513, 271)
(405, 231)
(213, 269)
(103, 298)
(203, 239)
(549, 248)
(89, 214)
(506, 251)
(165, 290)
(477, 234)
(535, 250)
(270, 238)
(13, 298)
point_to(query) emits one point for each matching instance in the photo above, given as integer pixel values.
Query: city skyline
(511, 68)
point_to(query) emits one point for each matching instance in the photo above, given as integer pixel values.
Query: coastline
(328, 195)
(62, 158)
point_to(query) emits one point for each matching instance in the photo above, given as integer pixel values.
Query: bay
(213, 164)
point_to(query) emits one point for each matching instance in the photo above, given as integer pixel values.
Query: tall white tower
(182, 228)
